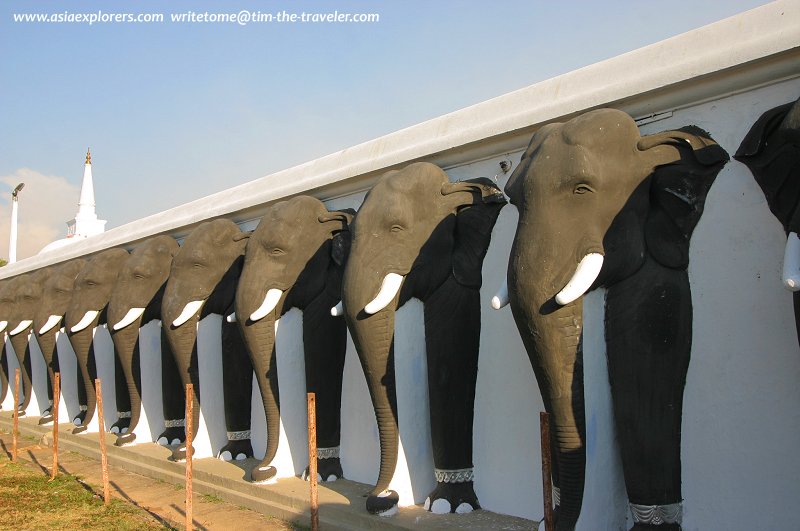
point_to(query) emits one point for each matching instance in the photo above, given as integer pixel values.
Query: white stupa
(85, 222)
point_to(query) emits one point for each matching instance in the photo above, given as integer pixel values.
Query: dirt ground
(164, 501)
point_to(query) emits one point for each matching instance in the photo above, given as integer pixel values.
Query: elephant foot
(125, 439)
(172, 436)
(20, 412)
(46, 418)
(236, 449)
(264, 474)
(327, 470)
(452, 498)
(78, 420)
(656, 527)
(383, 504)
(80, 429)
(121, 425)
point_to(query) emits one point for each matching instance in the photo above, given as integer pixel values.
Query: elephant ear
(481, 202)
(340, 243)
(243, 238)
(771, 150)
(678, 189)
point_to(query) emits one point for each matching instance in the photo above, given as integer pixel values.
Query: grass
(29, 500)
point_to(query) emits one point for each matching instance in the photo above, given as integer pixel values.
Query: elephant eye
(277, 251)
(397, 228)
(582, 189)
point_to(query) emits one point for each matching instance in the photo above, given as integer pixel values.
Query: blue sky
(178, 111)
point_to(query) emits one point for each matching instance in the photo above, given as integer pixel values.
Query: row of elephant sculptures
(599, 206)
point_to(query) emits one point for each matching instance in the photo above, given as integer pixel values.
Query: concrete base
(341, 503)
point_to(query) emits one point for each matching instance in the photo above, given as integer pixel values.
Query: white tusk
(130, 317)
(501, 298)
(188, 312)
(231, 318)
(3, 325)
(389, 288)
(338, 310)
(791, 263)
(583, 278)
(270, 301)
(88, 317)
(20, 327)
(52, 321)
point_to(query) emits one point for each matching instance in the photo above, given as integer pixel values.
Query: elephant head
(294, 259)
(202, 281)
(87, 309)
(771, 149)
(419, 235)
(599, 205)
(135, 301)
(56, 296)
(28, 296)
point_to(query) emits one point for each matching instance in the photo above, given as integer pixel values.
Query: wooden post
(16, 417)
(189, 453)
(547, 485)
(312, 460)
(102, 427)
(56, 401)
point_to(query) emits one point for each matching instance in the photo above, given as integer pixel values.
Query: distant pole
(16, 417)
(103, 456)
(56, 396)
(547, 485)
(12, 243)
(312, 460)
(189, 453)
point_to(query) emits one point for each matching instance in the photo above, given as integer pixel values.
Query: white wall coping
(758, 47)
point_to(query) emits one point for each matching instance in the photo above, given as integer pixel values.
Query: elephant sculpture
(601, 206)
(771, 150)
(7, 302)
(28, 295)
(295, 259)
(203, 281)
(419, 235)
(56, 296)
(87, 309)
(135, 301)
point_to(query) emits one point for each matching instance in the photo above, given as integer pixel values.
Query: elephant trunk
(47, 344)
(126, 344)
(260, 339)
(20, 343)
(552, 337)
(82, 345)
(183, 343)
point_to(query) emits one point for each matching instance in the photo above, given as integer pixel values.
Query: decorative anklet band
(328, 453)
(556, 496)
(238, 435)
(84, 408)
(657, 514)
(124, 414)
(178, 423)
(461, 475)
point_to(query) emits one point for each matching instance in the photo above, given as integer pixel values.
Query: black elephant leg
(452, 337)
(3, 373)
(27, 378)
(325, 342)
(173, 398)
(796, 301)
(649, 336)
(237, 384)
(122, 395)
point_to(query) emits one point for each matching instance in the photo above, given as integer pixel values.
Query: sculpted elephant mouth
(87, 319)
(23, 325)
(130, 317)
(51, 323)
(189, 311)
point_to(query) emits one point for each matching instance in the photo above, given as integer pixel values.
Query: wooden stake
(103, 456)
(16, 417)
(189, 453)
(547, 485)
(312, 459)
(56, 400)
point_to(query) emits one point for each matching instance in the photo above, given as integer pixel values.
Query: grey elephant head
(202, 281)
(599, 205)
(87, 309)
(295, 259)
(135, 301)
(419, 235)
